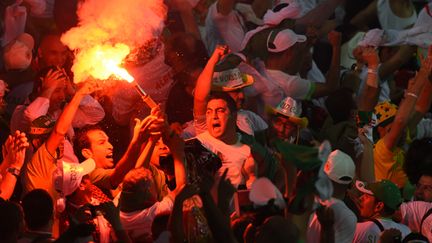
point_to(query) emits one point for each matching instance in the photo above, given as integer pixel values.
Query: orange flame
(102, 62)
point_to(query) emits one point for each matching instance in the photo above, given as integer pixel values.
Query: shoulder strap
(378, 223)
(429, 212)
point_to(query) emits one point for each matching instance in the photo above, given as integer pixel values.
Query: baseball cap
(67, 176)
(339, 167)
(281, 40)
(385, 191)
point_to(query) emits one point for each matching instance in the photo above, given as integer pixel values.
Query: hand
(219, 52)
(51, 80)
(88, 87)
(363, 138)
(426, 63)
(370, 56)
(144, 128)
(334, 38)
(226, 189)
(14, 149)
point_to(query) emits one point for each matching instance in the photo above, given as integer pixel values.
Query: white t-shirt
(138, 224)
(233, 156)
(412, 214)
(289, 85)
(344, 226)
(389, 20)
(221, 29)
(369, 231)
(317, 76)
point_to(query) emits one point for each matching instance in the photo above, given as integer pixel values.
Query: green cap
(385, 191)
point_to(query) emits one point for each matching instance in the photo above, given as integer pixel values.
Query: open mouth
(109, 156)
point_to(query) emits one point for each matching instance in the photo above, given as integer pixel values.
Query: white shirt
(285, 85)
(138, 224)
(344, 226)
(233, 157)
(412, 214)
(369, 231)
(389, 20)
(221, 29)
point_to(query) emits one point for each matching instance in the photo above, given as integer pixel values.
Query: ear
(82, 186)
(379, 207)
(87, 153)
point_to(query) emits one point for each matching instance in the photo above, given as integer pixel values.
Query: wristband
(412, 95)
(14, 171)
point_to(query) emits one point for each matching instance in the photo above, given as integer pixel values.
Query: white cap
(279, 41)
(263, 190)
(67, 177)
(291, 11)
(339, 167)
(374, 37)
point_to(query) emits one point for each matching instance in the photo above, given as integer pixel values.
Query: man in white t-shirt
(340, 168)
(378, 204)
(285, 59)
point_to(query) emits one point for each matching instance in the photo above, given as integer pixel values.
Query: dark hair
(227, 98)
(38, 208)
(339, 105)
(418, 160)
(10, 220)
(82, 141)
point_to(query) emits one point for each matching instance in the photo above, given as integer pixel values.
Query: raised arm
(407, 105)
(368, 97)
(332, 77)
(363, 18)
(203, 86)
(318, 16)
(141, 133)
(65, 120)
(14, 153)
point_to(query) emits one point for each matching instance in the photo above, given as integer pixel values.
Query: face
(239, 97)
(284, 128)
(160, 150)
(423, 191)
(218, 118)
(294, 56)
(53, 52)
(368, 205)
(101, 149)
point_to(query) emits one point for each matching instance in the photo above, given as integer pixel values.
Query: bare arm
(368, 97)
(396, 61)
(142, 129)
(332, 77)
(407, 105)
(203, 85)
(318, 16)
(14, 153)
(362, 19)
(65, 120)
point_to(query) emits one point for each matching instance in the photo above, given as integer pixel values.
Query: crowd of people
(277, 121)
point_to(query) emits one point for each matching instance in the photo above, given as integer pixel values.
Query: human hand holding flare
(122, 73)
